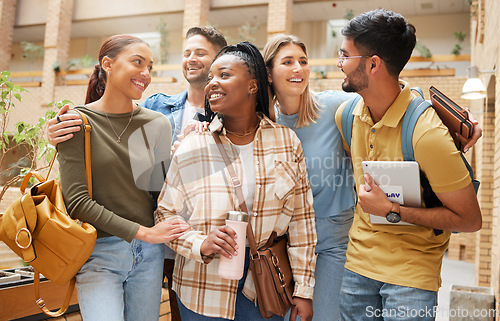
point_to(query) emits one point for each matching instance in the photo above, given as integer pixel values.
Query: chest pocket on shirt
(286, 175)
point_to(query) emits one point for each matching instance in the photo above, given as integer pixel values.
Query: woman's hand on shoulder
(196, 126)
(193, 125)
(162, 232)
(61, 127)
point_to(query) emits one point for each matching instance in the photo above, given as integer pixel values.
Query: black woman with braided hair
(269, 162)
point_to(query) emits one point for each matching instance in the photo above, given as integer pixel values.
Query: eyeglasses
(343, 58)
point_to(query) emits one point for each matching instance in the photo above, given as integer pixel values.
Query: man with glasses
(392, 271)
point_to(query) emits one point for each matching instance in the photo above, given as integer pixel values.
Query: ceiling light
(473, 87)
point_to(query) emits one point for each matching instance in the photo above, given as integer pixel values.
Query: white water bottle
(232, 268)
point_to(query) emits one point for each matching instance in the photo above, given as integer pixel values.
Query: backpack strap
(475, 182)
(415, 109)
(347, 119)
(418, 91)
(413, 112)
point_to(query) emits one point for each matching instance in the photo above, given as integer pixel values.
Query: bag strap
(413, 112)
(41, 303)
(37, 175)
(88, 174)
(347, 119)
(24, 225)
(88, 168)
(418, 90)
(150, 153)
(239, 193)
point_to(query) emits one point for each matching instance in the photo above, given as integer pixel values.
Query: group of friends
(158, 178)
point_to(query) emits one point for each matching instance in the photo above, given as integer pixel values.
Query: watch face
(393, 217)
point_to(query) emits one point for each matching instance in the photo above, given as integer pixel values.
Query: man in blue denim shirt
(202, 44)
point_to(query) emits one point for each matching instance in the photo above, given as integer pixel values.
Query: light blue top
(328, 167)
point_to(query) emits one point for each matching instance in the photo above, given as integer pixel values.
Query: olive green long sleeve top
(125, 174)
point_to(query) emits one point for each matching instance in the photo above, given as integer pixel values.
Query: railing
(27, 74)
(404, 73)
(328, 62)
(84, 81)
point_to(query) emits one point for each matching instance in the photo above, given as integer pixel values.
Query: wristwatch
(393, 216)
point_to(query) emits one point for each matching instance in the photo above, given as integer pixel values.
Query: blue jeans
(245, 309)
(363, 299)
(333, 236)
(121, 281)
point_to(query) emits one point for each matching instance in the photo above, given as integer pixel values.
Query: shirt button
(258, 186)
(373, 130)
(258, 162)
(254, 214)
(371, 146)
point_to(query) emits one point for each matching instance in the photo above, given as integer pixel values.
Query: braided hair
(252, 58)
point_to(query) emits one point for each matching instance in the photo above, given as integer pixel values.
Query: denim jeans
(245, 309)
(333, 236)
(363, 299)
(121, 281)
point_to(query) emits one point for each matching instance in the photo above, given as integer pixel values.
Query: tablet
(399, 180)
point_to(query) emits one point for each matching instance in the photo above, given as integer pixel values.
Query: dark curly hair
(383, 33)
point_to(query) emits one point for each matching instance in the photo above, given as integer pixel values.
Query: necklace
(118, 137)
(245, 134)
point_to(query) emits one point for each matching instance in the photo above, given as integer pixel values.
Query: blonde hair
(309, 107)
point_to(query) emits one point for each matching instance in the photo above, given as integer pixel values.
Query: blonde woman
(312, 117)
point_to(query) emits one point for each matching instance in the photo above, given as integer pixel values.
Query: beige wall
(485, 54)
(435, 31)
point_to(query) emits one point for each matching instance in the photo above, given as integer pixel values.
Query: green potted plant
(460, 37)
(25, 136)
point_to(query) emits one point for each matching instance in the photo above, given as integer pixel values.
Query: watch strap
(395, 207)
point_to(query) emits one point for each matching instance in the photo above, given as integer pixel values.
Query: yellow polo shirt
(401, 255)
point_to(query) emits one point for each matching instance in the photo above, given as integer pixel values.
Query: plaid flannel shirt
(198, 189)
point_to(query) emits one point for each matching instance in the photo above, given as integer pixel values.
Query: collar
(217, 126)
(394, 114)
